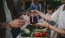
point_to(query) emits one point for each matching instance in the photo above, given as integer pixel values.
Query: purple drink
(33, 19)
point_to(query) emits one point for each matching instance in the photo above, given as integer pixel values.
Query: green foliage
(54, 2)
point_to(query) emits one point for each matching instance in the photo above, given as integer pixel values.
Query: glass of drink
(33, 19)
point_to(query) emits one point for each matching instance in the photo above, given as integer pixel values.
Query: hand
(43, 24)
(17, 23)
(35, 12)
(27, 18)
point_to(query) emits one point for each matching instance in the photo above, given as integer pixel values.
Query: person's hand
(35, 12)
(43, 24)
(17, 23)
(27, 18)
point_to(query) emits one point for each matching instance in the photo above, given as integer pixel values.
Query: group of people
(10, 22)
(58, 17)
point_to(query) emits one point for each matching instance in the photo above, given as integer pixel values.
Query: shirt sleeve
(55, 15)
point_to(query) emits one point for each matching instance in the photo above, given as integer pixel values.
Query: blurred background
(26, 4)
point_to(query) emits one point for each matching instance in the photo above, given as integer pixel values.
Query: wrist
(47, 26)
(9, 24)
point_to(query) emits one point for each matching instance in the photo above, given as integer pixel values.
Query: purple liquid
(33, 20)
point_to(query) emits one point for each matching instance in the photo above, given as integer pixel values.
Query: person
(9, 18)
(50, 10)
(58, 17)
(36, 5)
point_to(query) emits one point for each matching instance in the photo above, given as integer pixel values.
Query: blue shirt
(38, 7)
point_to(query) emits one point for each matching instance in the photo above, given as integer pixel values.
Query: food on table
(40, 33)
(27, 31)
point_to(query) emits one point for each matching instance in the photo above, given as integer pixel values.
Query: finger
(20, 26)
(21, 21)
(16, 26)
(36, 11)
(38, 24)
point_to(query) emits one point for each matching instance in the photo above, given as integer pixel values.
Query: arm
(54, 16)
(4, 25)
(17, 23)
(58, 30)
(45, 24)
(46, 17)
